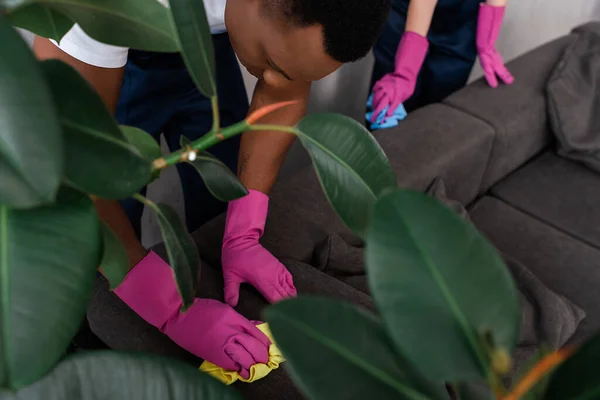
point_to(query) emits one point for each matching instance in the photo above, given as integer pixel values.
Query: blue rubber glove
(382, 122)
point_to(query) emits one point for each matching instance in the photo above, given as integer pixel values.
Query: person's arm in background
(398, 86)
(263, 153)
(107, 82)
(420, 14)
(489, 24)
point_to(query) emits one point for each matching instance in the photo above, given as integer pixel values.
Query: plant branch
(276, 128)
(205, 142)
(216, 116)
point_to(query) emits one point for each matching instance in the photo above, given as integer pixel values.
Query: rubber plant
(448, 311)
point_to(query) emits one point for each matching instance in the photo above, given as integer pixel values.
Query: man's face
(273, 50)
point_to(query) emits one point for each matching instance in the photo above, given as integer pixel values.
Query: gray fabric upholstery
(434, 141)
(546, 317)
(559, 192)
(574, 98)
(565, 265)
(516, 112)
(122, 329)
(438, 141)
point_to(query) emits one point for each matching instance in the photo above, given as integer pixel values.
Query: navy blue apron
(451, 55)
(159, 96)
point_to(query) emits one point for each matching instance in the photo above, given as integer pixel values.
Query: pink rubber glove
(396, 87)
(209, 329)
(244, 260)
(488, 29)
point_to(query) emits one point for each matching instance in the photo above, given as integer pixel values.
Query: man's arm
(263, 153)
(107, 82)
(420, 14)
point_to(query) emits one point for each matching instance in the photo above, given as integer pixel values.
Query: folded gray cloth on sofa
(574, 98)
(547, 318)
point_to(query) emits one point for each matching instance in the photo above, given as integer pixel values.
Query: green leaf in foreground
(577, 378)
(41, 20)
(31, 145)
(196, 43)
(416, 246)
(352, 168)
(99, 160)
(182, 251)
(145, 145)
(355, 358)
(114, 264)
(48, 261)
(139, 24)
(218, 178)
(142, 141)
(103, 375)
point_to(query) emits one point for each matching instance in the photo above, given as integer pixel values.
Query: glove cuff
(411, 54)
(150, 290)
(246, 217)
(489, 23)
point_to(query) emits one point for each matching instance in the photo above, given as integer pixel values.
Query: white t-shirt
(79, 45)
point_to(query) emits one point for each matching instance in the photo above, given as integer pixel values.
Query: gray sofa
(493, 150)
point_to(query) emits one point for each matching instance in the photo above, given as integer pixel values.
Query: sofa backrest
(517, 112)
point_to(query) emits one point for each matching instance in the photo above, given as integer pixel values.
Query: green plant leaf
(352, 168)
(101, 375)
(41, 20)
(355, 357)
(114, 263)
(182, 251)
(440, 287)
(48, 261)
(99, 160)
(577, 377)
(145, 145)
(478, 390)
(31, 146)
(218, 178)
(139, 24)
(196, 43)
(143, 142)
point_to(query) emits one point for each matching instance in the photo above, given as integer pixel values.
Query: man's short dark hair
(350, 27)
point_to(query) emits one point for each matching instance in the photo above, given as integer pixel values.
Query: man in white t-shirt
(286, 44)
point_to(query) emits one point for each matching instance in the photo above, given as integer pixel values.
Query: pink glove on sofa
(488, 28)
(244, 260)
(209, 329)
(396, 87)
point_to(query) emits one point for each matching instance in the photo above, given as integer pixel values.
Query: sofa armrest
(516, 112)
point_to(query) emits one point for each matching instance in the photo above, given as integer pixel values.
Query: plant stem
(276, 128)
(216, 116)
(141, 199)
(205, 142)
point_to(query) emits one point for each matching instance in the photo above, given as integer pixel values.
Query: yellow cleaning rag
(257, 371)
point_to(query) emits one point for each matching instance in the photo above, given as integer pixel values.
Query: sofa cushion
(438, 141)
(517, 112)
(567, 266)
(562, 193)
(574, 97)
